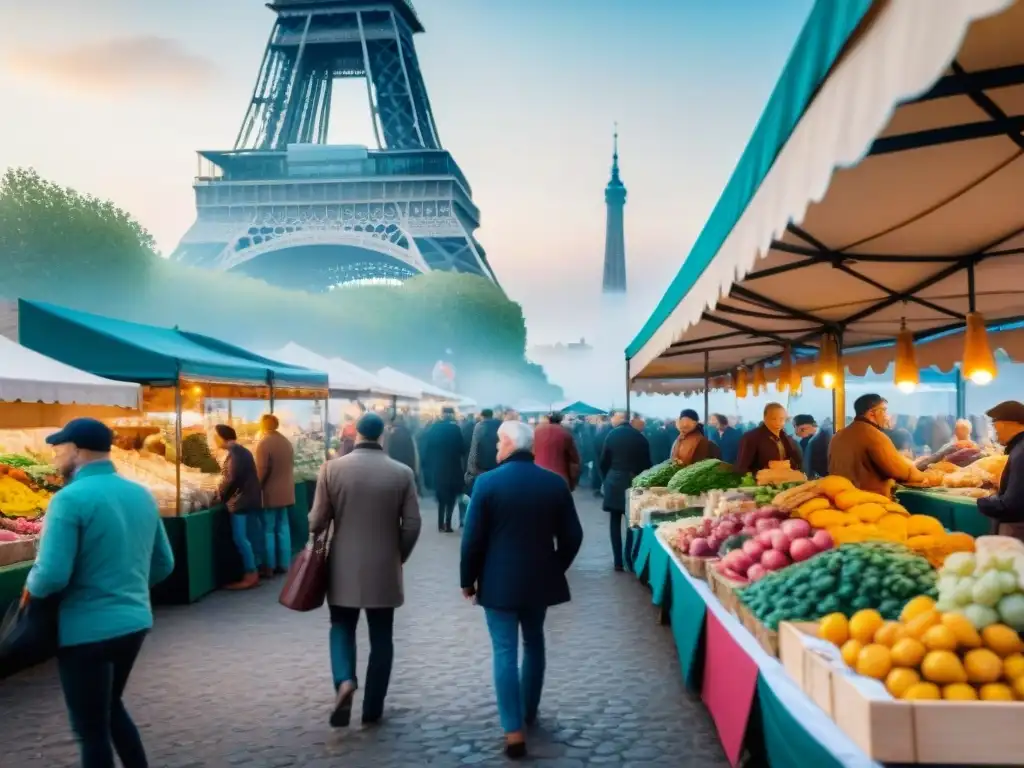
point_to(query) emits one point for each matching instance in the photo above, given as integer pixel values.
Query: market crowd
(511, 484)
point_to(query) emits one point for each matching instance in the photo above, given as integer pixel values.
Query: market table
(956, 513)
(753, 702)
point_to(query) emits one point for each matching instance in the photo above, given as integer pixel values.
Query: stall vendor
(768, 442)
(961, 436)
(814, 442)
(865, 455)
(692, 445)
(1006, 508)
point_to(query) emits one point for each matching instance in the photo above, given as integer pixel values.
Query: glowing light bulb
(828, 380)
(906, 387)
(981, 377)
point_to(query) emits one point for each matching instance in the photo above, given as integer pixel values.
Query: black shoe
(515, 750)
(370, 721)
(342, 714)
(619, 568)
(448, 529)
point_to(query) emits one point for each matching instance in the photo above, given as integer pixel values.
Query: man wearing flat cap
(371, 501)
(864, 454)
(1006, 508)
(814, 442)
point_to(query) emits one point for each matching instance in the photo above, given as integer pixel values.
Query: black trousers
(445, 510)
(615, 520)
(94, 677)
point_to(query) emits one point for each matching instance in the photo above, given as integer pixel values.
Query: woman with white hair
(522, 534)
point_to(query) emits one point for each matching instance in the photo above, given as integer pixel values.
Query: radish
(738, 560)
(754, 549)
(774, 560)
(749, 519)
(767, 523)
(701, 548)
(796, 528)
(780, 541)
(757, 572)
(802, 549)
(714, 541)
(764, 538)
(731, 574)
(767, 512)
(749, 530)
(822, 540)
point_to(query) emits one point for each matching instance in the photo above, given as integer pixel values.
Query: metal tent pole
(177, 444)
(839, 391)
(707, 388)
(629, 412)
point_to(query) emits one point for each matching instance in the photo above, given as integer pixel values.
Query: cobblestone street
(236, 680)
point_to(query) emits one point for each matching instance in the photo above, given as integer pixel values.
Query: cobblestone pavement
(236, 680)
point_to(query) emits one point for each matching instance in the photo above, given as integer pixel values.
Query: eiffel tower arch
(289, 208)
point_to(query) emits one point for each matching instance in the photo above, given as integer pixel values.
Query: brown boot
(248, 581)
(515, 745)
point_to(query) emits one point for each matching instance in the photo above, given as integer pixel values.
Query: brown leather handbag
(305, 589)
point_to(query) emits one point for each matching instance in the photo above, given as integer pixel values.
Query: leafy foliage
(61, 246)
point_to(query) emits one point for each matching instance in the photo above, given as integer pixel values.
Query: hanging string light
(796, 379)
(782, 382)
(907, 375)
(760, 380)
(979, 363)
(741, 382)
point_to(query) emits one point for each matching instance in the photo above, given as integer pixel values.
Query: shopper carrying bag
(305, 589)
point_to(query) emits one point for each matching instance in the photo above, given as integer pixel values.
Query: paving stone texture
(237, 680)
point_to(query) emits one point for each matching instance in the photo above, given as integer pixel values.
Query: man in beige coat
(275, 465)
(371, 500)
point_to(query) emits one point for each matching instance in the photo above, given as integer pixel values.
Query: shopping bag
(305, 588)
(28, 634)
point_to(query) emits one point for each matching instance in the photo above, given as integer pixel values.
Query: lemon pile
(930, 655)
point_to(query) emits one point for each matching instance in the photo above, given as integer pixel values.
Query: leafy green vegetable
(16, 460)
(704, 476)
(657, 476)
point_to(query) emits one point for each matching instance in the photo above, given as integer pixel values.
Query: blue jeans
(93, 677)
(382, 653)
(518, 690)
(240, 535)
(277, 536)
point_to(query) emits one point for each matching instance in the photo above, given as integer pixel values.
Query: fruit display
(776, 545)
(19, 499)
(778, 472)
(657, 476)
(704, 476)
(850, 578)
(676, 532)
(853, 516)
(765, 494)
(21, 525)
(987, 587)
(928, 654)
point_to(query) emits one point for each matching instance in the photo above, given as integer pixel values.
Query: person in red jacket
(555, 449)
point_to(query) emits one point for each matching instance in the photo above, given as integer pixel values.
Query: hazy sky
(114, 97)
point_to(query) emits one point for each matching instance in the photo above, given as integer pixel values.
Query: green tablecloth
(956, 513)
(12, 582)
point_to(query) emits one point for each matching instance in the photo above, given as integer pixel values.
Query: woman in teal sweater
(103, 547)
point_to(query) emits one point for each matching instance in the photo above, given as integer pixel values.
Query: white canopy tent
(29, 377)
(344, 378)
(393, 378)
(881, 187)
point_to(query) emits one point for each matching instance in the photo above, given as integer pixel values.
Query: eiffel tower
(290, 209)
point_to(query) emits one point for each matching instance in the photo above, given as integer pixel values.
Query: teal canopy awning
(146, 354)
(579, 408)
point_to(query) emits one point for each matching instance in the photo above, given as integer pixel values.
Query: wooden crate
(696, 566)
(765, 637)
(725, 590)
(22, 551)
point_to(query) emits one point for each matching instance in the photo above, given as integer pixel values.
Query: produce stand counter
(205, 555)
(753, 702)
(956, 513)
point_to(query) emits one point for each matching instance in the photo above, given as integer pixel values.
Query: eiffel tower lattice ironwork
(289, 208)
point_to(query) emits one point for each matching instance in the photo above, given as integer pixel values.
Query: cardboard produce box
(893, 731)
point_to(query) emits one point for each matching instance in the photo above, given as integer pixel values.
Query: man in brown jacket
(768, 442)
(864, 454)
(371, 501)
(275, 464)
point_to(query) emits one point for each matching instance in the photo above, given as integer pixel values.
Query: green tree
(61, 246)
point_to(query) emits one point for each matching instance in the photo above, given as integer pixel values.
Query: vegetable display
(765, 494)
(775, 546)
(987, 587)
(16, 460)
(845, 580)
(927, 654)
(851, 516)
(657, 476)
(704, 476)
(706, 538)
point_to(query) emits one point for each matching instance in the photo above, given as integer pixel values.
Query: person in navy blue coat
(522, 533)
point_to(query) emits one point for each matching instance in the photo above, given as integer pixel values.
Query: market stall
(185, 379)
(871, 220)
(428, 393)
(38, 392)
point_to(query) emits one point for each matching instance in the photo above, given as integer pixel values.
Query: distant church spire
(615, 238)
